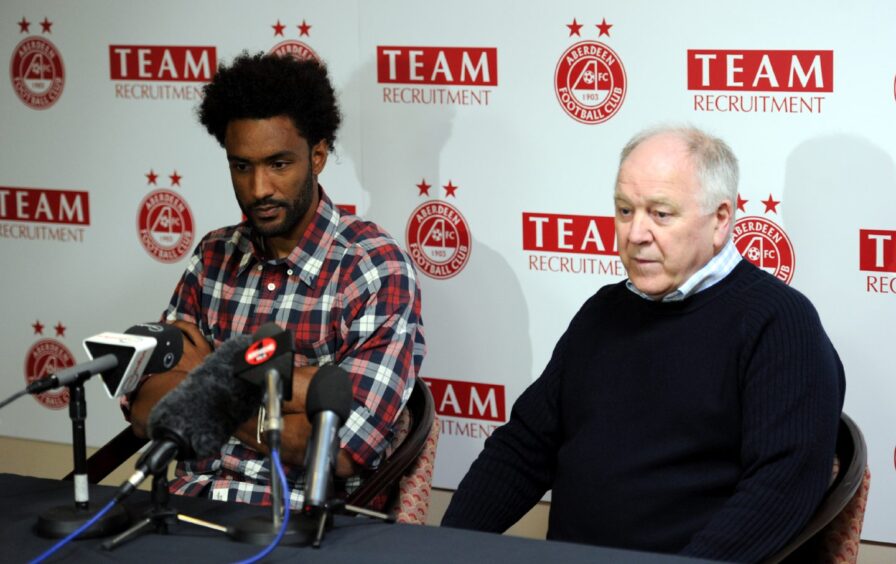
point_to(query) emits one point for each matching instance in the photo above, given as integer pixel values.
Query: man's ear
(319, 153)
(723, 218)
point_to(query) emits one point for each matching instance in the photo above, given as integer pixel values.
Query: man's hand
(154, 388)
(296, 428)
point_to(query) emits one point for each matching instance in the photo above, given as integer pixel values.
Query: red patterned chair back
(833, 534)
(403, 482)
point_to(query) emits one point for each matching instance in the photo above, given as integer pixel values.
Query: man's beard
(295, 211)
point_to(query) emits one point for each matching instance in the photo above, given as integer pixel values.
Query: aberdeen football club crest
(763, 242)
(438, 236)
(36, 69)
(45, 357)
(590, 80)
(165, 222)
(293, 47)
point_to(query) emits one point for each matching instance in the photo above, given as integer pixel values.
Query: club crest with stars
(36, 69)
(438, 236)
(763, 242)
(165, 221)
(589, 80)
(48, 356)
(293, 47)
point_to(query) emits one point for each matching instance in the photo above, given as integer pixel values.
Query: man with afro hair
(342, 286)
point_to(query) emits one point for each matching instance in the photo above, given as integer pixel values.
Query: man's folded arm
(154, 387)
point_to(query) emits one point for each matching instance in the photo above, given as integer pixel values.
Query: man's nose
(640, 233)
(260, 184)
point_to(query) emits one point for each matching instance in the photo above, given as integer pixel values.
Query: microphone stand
(160, 516)
(60, 521)
(261, 529)
(312, 522)
(323, 516)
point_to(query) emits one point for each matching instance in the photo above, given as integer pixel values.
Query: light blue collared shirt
(712, 273)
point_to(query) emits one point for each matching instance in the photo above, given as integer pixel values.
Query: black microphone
(272, 349)
(121, 358)
(197, 417)
(328, 404)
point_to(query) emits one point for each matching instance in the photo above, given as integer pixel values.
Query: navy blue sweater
(704, 427)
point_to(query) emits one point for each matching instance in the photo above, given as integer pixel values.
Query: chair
(833, 533)
(404, 478)
(409, 466)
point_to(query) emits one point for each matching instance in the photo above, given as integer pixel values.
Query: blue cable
(75, 533)
(275, 455)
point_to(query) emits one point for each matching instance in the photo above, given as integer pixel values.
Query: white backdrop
(456, 110)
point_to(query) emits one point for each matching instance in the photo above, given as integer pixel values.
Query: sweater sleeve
(791, 395)
(517, 464)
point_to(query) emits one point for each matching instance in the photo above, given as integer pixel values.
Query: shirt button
(259, 267)
(272, 286)
(289, 272)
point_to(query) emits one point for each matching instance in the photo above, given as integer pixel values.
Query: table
(351, 540)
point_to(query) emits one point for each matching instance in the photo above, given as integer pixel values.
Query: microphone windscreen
(208, 406)
(169, 345)
(269, 329)
(330, 390)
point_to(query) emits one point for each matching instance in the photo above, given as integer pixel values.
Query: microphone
(328, 404)
(121, 358)
(197, 417)
(272, 349)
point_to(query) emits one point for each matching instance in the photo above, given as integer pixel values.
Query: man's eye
(276, 165)
(662, 214)
(623, 211)
(239, 167)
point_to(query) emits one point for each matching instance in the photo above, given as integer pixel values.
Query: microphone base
(260, 530)
(61, 521)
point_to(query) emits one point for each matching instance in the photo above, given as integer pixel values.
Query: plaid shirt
(348, 293)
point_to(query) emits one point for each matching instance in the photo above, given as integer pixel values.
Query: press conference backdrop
(484, 136)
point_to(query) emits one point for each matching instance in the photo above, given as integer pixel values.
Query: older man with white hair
(691, 408)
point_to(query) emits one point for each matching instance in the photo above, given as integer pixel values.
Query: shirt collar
(307, 258)
(712, 273)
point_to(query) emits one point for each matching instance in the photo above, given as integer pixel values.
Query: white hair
(714, 161)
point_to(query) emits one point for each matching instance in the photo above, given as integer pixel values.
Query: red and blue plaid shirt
(350, 296)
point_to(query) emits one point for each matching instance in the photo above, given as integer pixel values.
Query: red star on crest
(151, 177)
(604, 28)
(175, 178)
(450, 189)
(771, 205)
(424, 188)
(303, 28)
(46, 25)
(24, 25)
(38, 328)
(574, 28)
(741, 203)
(60, 329)
(278, 28)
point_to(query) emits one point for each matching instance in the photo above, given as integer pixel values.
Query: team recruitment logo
(573, 244)
(877, 254)
(45, 357)
(438, 236)
(763, 242)
(164, 221)
(41, 214)
(590, 80)
(293, 47)
(461, 76)
(161, 72)
(795, 80)
(36, 69)
(468, 409)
